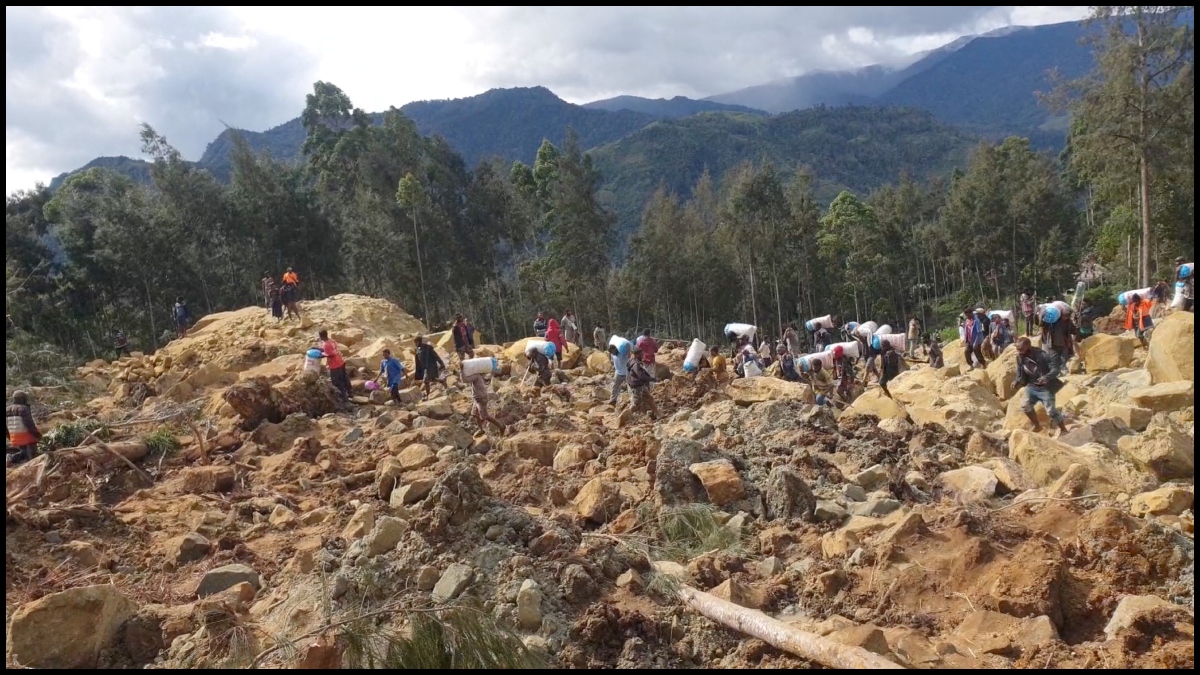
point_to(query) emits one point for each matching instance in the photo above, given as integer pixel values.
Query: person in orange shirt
(290, 277)
(1137, 316)
(20, 431)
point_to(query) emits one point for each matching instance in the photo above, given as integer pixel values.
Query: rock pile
(934, 529)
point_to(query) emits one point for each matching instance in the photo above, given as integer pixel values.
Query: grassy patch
(685, 532)
(72, 434)
(164, 441)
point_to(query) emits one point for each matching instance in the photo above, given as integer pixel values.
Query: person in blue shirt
(391, 367)
(183, 317)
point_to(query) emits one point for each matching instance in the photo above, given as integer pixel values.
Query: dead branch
(782, 636)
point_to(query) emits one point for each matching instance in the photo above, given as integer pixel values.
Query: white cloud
(80, 80)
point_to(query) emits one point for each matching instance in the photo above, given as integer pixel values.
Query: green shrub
(72, 434)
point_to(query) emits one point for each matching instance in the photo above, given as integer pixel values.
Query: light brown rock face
(1172, 353)
(1102, 353)
(68, 630)
(1163, 450)
(1165, 397)
(721, 481)
(1046, 460)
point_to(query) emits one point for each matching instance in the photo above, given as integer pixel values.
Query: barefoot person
(1038, 372)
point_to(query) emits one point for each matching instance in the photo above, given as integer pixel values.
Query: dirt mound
(278, 513)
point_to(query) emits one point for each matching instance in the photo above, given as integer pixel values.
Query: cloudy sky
(78, 81)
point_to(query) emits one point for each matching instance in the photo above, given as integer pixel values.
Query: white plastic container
(691, 362)
(866, 329)
(1178, 300)
(896, 340)
(742, 330)
(624, 347)
(547, 349)
(1001, 314)
(804, 363)
(1123, 298)
(483, 365)
(885, 329)
(820, 322)
(850, 349)
(312, 360)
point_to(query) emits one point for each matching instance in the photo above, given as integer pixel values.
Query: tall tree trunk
(778, 302)
(421, 273)
(753, 296)
(1143, 150)
(150, 311)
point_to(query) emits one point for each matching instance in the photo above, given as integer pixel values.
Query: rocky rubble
(935, 529)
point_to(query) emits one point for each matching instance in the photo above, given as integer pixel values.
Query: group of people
(283, 296)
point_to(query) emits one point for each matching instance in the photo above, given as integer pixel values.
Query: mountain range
(856, 128)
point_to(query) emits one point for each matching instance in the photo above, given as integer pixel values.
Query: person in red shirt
(649, 347)
(335, 362)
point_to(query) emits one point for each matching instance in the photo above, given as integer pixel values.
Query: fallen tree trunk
(782, 636)
(103, 453)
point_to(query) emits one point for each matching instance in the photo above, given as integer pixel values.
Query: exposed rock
(1172, 353)
(599, 501)
(866, 637)
(454, 581)
(1045, 460)
(829, 512)
(413, 492)
(190, 548)
(1134, 417)
(1165, 397)
(571, 456)
(416, 456)
(361, 523)
(1162, 450)
(751, 390)
(427, 577)
(83, 554)
(529, 606)
(953, 403)
(206, 479)
(1011, 476)
(438, 409)
(536, 446)
(721, 481)
(739, 594)
(68, 630)
(871, 478)
(599, 363)
(970, 484)
(1071, 484)
(1167, 500)
(1102, 352)
(875, 508)
(630, 579)
(224, 578)
(1106, 431)
(896, 426)
(1133, 607)
(387, 533)
(788, 496)
(1003, 374)
(872, 402)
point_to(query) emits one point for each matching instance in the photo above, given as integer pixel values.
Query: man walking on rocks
(335, 363)
(391, 368)
(479, 392)
(620, 373)
(429, 365)
(640, 380)
(462, 339)
(1038, 372)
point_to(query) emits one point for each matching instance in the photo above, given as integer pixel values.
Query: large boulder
(1172, 353)
(1106, 431)
(750, 390)
(1163, 450)
(1102, 353)
(954, 353)
(599, 363)
(1165, 397)
(372, 353)
(1003, 373)
(955, 402)
(873, 403)
(257, 400)
(68, 629)
(1046, 460)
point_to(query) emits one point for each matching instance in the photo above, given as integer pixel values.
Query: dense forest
(380, 209)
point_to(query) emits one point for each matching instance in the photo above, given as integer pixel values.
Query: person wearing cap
(973, 336)
(20, 431)
(1189, 284)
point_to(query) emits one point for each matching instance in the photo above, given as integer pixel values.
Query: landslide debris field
(217, 508)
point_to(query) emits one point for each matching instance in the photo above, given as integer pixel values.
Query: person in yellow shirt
(717, 361)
